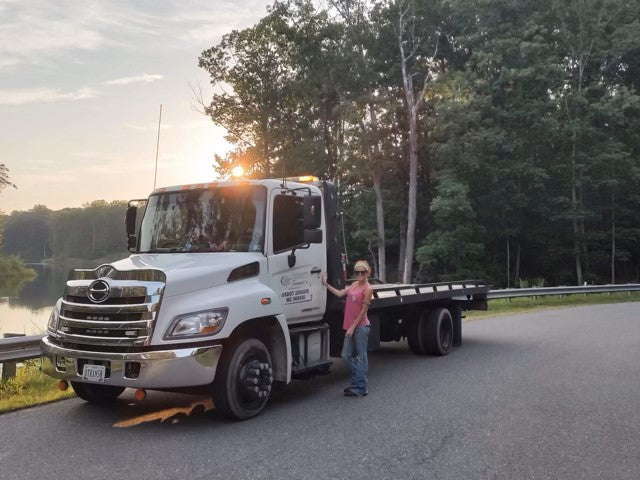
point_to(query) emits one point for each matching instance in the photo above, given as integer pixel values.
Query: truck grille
(124, 319)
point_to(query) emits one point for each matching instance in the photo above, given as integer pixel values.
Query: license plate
(93, 373)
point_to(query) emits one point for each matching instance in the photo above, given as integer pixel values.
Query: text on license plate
(93, 373)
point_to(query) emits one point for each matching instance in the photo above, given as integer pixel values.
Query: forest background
(493, 139)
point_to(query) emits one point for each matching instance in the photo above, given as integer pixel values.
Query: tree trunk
(508, 265)
(613, 240)
(373, 258)
(516, 277)
(401, 250)
(377, 187)
(574, 220)
(413, 189)
(413, 102)
(382, 256)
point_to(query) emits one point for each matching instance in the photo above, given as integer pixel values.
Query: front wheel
(98, 394)
(243, 384)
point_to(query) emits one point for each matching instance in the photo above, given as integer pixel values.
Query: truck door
(295, 277)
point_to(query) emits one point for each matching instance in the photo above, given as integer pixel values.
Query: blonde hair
(363, 264)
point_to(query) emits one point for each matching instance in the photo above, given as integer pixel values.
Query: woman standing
(356, 324)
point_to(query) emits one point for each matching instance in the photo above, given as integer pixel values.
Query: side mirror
(312, 236)
(130, 222)
(312, 212)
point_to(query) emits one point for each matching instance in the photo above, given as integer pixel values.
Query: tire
(243, 385)
(97, 394)
(416, 329)
(439, 332)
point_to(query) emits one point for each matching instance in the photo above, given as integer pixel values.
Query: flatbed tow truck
(222, 293)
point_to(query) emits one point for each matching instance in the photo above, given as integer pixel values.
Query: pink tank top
(353, 304)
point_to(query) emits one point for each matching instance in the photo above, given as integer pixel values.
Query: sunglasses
(359, 272)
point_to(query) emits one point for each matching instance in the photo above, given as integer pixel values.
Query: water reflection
(41, 292)
(11, 287)
(25, 305)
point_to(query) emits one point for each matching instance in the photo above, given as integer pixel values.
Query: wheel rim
(446, 334)
(255, 379)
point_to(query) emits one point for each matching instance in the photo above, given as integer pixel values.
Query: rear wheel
(439, 332)
(97, 394)
(243, 384)
(416, 329)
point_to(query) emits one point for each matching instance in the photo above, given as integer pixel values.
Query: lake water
(25, 306)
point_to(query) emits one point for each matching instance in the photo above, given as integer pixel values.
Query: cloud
(170, 126)
(41, 31)
(44, 95)
(47, 95)
(144, 78)
(29, 33)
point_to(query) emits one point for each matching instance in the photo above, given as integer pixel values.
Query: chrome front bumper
(184, 367)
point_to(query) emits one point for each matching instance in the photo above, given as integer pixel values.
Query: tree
(454, 249)
(366, 101)
(4, 178)
(277, 101)
(595, 36)
(409, 36)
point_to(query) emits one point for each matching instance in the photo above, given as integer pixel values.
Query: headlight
(196, 324)
(52, 324)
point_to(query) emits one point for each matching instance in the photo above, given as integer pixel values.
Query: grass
(29, 387)
(516, 305)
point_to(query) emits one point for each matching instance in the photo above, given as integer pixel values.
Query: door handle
(315, 270)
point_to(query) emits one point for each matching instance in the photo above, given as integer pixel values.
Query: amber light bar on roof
(303, 179)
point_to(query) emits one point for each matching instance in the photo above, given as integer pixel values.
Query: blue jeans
(354, 353)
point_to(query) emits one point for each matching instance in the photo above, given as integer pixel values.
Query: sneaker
(351, 393)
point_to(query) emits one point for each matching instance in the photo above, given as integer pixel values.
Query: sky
(81, 84)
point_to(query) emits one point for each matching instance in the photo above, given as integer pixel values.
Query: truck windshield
(223, 219)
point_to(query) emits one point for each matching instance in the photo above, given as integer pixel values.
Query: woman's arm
(366, 301)
(335, 291)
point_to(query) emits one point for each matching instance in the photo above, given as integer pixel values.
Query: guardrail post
(9, 368)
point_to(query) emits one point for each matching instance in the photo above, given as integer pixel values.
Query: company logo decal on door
(296, 289)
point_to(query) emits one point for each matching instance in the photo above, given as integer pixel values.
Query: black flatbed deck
(472, 294)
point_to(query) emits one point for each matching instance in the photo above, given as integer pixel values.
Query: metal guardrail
(543, 291)
(18, 349)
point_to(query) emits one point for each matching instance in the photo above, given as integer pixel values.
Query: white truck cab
(220, 274)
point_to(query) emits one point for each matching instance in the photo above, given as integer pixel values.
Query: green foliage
(529, 133)
(94, 231)
(29, 387)
(530, 282)
(12, 268)
(528, 141)
(453, 249)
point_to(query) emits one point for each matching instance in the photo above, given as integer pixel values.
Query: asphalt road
(547, 395)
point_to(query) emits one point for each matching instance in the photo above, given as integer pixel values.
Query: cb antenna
(155, 176)
(284, 175)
